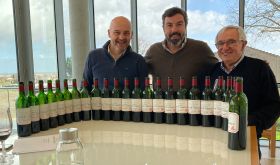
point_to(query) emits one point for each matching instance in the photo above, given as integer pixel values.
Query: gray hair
(241, 33)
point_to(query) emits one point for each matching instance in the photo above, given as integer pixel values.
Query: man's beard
(175, 42)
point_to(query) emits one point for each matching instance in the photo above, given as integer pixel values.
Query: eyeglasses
(229, 43)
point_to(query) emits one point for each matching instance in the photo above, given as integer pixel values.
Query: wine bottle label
(194, 144)
(35, 113)
(169, 106)
(181, 106)
(44, 111)
(77, 105)
(23, 116)
(86, 104)
(170, 141)
(53, 109)
(116, 104)
(147, 105)
(207, 107)
(137, 139)
(216, 147)
(206, 145)
(68, 107)
(126, 104)
(233, 122)
(61, 108)
(158, 105)
(148, 140)
(194, 106)
(225, 110)
(117, 137)
(217, 108)
(106, 104)
(96, 103)
(181, 143)
(136, 105)
(159, 141)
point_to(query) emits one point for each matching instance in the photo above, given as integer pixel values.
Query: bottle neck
(31, 89)
(136, 83)
(239, 87)
(65, 85)
(170, 84)
(57, 86)
(21, 90)
(158, 84)
(74, 85)
(41, 87)
(126, 83)
(116, 83)
(194, 83)
(182, 83)
(95, 84)
(50, 87)
(207, 83)
(106, 83)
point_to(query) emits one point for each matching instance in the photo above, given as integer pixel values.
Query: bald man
(115, 59)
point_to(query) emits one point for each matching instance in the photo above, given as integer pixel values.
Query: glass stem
(3, 148)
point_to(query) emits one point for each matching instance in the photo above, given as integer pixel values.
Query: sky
(206, 17)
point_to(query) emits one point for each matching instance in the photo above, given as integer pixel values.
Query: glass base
(6, 159)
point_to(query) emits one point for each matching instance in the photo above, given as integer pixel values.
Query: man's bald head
(120, 21)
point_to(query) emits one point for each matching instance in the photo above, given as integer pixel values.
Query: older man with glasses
(259, 81)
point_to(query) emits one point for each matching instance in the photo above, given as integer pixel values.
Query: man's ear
(244, 44)
(108, 33)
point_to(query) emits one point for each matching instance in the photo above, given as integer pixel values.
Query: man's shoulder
(254, 61)
(156, 45)
(195, 42)
(96, 52)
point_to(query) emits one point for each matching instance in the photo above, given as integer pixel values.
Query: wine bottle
(68, 103)
(218, 103)
(182, 104)
(96, 101)
(76, 98)
(34, 108)
(106, 101)
(52, 101)
(116, 101)
(136, 102)
(194, 104)
(225, 104)
(126, 101)
(44, 108)
(147, 102)
(207, 105)
(170, 103)
(158, 103)
(23, 113)
(60, 104)
(86, 102)
(237, 118)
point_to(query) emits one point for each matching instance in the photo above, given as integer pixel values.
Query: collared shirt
(164, 44)
(234, 66)
(119, 55)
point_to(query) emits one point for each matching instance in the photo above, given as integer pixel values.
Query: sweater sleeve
(87, 75)
(148, 59)
(142, 71)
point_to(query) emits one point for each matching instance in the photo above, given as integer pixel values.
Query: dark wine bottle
(86, 102)
(44, 108)
(23, 113)
(225, 104)
(52, 101)
(170, 103)
(194, 104)
(136, 102)
(207, 105)
(218, 103)
(60, 104)
(106, 101)
(76, 98)
(237, 118)
(68, 103)
(182, 104)
(158, 103)
(116, 101)
(96, 101)
(126, 101)
(34, 108)
(147, 102)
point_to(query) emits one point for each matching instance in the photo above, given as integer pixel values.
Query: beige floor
(267, 160)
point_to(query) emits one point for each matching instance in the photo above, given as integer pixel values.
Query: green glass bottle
(126, 101)
(23, 113)
(237, 118)
(106, 101)
(182, 103)
(207, 105)
(60, 104)
(147, 102)
(96, 101)
(76, 98)
(52, 105)
(86, 102)
(116, 101)
(170, 103)
(44, 107)
(34, 108)
(158, 103)
(194, 104)
(68, 103)
(228, 94)
(136, 102)
(218, 103)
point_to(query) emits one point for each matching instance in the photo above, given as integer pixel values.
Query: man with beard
(116, 59)
(178, 56)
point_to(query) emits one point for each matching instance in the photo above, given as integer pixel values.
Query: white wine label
(233, 122)
(96, 103)
(194, 106)
(53, 109)
(207, 107)
(158, 105)
(44, 111)
(86, 104)
(35, 113)
(23, 116)
(181, 106)
(106, 104)
(225, 110)
(126, 104)
(116, 104)
(136, 105)
(147, 105)
(68, 106)
(77, 105)
(61, 108)
(217, 108)
(169, 106)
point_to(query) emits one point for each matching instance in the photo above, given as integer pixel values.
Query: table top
(127, 143)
